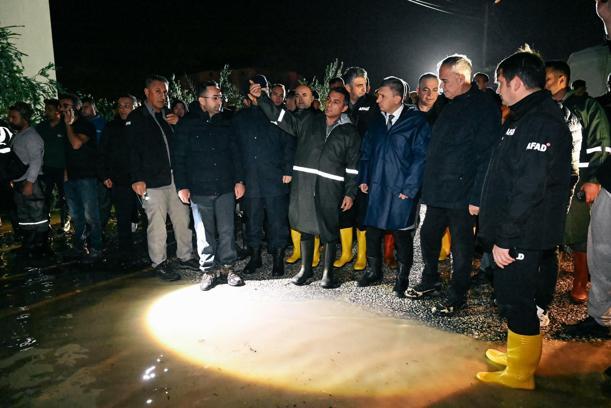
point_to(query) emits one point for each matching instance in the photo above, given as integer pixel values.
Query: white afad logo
(541, 147)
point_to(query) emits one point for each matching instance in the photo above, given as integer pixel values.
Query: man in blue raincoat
(391, 169)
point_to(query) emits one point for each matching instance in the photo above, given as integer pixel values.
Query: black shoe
(327, 280)
(94, 255)
(208, 281)
(448, 308)
(305, 272)
(254, 262)
(164, 272)
(402, 281)
(278, 265)
(588, 328)
(373, 274)
(423, 289)
(190, 264)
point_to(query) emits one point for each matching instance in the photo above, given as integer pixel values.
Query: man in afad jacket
(523, 208)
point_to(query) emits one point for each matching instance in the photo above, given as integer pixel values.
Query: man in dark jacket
(114, 155)
(150, 133)
(324, 178)
(267, 155)
(523, 207)
(209, 175)
(390, 172)
(462, 139)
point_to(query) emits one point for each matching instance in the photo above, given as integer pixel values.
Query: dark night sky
(107, 47)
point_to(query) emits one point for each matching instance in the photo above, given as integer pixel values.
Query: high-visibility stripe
(5, 150)
(318, 173)
(583, 165)
(608, 149)
(594, 149)
(352, 171)
(33, 223)
(282, 112)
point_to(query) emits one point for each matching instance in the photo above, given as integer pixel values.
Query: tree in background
(230, 91)
(332, 70)
(15, 86)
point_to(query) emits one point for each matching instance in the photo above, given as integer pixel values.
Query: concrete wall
(36, 39)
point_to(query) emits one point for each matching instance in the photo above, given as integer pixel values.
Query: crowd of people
(524, 169)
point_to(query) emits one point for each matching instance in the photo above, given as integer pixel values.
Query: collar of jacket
(472, 91)
(520, 108)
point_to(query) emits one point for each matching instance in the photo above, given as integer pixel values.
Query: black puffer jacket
(461, 143)
(526, 190)
(206, 154)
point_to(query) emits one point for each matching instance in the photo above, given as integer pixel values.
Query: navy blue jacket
(462, 140)
(205, 154)
(267, 153)
(392, 163)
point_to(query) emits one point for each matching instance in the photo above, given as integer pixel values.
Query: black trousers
(275, 211)
(125, 201)
(516, 287)
(404, 244)
(54, 178)
(461, 225)
(547, 277)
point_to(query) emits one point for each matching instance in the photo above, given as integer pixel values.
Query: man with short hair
(430, 102)
(82, 170)
(523, 204)
(291, 101)
(304, 97)
(595, 139)
(53, 133)
(390, 173)
(150, 132)
(462, 139)
(114, 156)
(324, 178)
(278, 92)
(336, 82)
(209, 175)
(482, 80)
(267, 157)
(32, 212)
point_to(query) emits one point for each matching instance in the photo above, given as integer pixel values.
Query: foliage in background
(230, 91)
(332, 70)
(15, 86)
(179, 91)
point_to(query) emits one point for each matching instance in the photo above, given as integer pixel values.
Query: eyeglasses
(214, 97)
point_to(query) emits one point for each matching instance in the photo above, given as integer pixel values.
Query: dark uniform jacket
(324, 172)
(364, 111)
(267, 153)
(526, 191)
(392, 163)
(461, 143)
(206, 154)
(115, 153)
(149, 155)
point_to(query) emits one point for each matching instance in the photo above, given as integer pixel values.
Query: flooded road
(131, 341)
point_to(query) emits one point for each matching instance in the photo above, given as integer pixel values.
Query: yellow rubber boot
(445, 246)
(316, 257)
(296, 255)
(497, 357)
(361, 251)
(523, 355)
(345, 235)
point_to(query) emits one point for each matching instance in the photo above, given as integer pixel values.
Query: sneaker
(233, 279)
(164, 272)
(208, 281)
(422, 289)
(543, 317)
(191, 264)
(588, 328)
(448, 308)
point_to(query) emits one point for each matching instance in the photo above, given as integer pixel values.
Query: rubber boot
(254, 262)
(328, 281)
(316, 256)
(373, 274)
(305, 272)
(346, 238)
(445, 245)
(497, 357)
(278, 263)
(389, 251)
(361, 251)
(296, 255)
(402, 281)
(523, 355)
(579, 293)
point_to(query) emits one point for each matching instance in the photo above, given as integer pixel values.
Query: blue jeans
(82, 198)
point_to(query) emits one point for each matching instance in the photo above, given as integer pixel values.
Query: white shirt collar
(395, 115)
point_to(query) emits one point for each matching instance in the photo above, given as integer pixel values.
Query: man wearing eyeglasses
(209, 176)
(150, 132)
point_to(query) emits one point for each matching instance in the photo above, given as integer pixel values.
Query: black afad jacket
(526, 188)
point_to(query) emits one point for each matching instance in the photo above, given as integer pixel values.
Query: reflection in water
(312, 346)
(150, 374)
